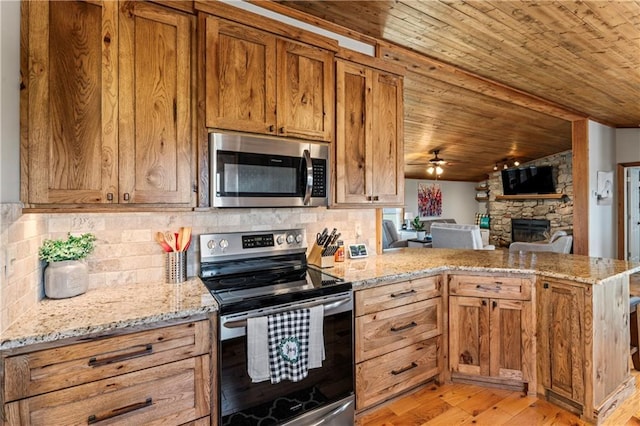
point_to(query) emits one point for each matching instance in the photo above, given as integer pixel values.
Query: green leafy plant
(73, 248)
(417, 225)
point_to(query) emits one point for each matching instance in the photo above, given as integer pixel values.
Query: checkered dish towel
(289, 345)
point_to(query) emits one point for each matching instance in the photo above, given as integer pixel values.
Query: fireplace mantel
(531, 197)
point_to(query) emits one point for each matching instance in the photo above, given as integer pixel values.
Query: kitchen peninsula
(573, 348)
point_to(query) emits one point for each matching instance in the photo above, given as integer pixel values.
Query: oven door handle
(309, 166)
(328, 307)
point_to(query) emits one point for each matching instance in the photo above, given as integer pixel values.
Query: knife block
(317, 259)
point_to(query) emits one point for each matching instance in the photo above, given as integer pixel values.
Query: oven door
(250, 171)
(324, 397)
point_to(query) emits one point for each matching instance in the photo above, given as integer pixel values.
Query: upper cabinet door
(353, 129)
(155, 104)
(369, 147)
(388, 153)
(240, 77)
(72, 102)
(305, 91)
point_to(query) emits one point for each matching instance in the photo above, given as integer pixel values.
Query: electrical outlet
(358, 230)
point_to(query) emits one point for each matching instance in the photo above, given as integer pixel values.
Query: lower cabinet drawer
(398, 294)
(392, 329)
(386, 376)
(170, 394)
(50, 370)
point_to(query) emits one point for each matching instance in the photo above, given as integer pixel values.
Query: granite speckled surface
(114, 307)
(406, 263)
(109, 308)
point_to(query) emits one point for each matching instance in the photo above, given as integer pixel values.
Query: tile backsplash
(125, 248)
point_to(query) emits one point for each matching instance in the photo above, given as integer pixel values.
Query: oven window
(246, 403)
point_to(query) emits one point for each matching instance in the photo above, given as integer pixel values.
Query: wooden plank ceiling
(557, 61)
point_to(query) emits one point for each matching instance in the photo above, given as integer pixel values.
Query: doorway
(629, 212)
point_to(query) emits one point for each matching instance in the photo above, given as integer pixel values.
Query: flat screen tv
(528, 180)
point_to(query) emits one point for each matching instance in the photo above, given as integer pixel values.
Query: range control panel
(248, 244)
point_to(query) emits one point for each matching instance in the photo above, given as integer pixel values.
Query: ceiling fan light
(505, 167)
(495, 168)
(430, 170)
(439, 170)
(516, 163)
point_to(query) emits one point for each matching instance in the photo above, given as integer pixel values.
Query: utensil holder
(176, 267)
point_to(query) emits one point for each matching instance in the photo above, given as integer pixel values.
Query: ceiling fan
(436, 163)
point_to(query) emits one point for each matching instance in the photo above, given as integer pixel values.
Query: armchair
(451, 235)
(390, 237)
(559, 242)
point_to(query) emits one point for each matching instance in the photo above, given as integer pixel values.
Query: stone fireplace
(558, 213)
(530, 230)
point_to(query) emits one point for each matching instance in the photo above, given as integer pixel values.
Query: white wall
(9, 101)
(458, 199)
(602, 157)
(627, 145)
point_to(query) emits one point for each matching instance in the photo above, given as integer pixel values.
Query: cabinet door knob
(126, 196)
(375, 198)
(545, 285)
(110, 197)
(281, 130)
(272, 128)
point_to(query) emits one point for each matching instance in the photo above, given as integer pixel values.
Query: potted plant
(418, 226)
(66, 274)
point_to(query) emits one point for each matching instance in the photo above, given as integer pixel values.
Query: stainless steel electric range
(257, 274)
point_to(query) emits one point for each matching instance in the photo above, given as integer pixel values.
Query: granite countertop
(115, 307)
(407, 263)
(108, 308)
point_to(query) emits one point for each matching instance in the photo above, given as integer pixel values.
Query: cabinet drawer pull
(404, 327)
(148, 350)
(119, 411)
(481, 287)
(402, 370)
(403, 294)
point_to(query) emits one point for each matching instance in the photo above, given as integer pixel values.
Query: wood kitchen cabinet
(109, 106)
(583, 344)
(369, 136)
(491, 330)
(398, 329)
(161, 375)
(261, 83)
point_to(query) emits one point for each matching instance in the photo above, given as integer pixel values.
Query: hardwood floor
(460, 404)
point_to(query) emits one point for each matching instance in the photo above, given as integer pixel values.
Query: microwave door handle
(309, 165)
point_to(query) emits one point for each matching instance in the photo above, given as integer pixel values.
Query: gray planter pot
(66, 279)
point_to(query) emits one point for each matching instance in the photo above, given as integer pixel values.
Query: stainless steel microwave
(262, 171)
